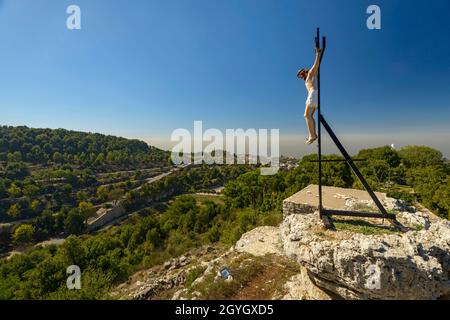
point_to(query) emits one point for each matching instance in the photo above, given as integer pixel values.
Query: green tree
(23, 234)
(441, 198)
(67, 189)
(82, 196)
(35, 204)
(154, 237)
(386, 153)
(103, 193)
(86, 209)
(14, 191)
(420, 156)
(30, 190)
(58, 157)
(74, 223)
(115, 195)
(14, 211)
(3, 188)
(15, 157)
(214, 234)
(74, 252)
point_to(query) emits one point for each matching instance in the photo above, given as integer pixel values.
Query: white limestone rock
(260, 241)
(412, 265)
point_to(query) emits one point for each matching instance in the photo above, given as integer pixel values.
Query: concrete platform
(307, 200)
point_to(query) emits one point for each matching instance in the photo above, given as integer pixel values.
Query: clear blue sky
(143, 68)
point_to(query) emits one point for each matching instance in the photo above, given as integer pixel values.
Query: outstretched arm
(315, 67)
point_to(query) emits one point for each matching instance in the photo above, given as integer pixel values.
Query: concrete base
(307, 200)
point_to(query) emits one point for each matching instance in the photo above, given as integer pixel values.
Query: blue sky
(143, 68)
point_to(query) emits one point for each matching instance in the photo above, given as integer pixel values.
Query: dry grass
(363, 226)
(254, 278)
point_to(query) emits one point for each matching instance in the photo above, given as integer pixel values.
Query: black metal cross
(326, 214)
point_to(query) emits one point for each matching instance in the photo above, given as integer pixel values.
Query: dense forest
(110, 257)
(45, 174)
(71, 217)
(86, 150)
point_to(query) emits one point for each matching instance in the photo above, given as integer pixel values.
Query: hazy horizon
(293, 145)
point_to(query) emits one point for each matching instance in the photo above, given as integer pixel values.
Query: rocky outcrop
(172, 275)
(361, 259)
(412, 265)
(261, 241)
(379, 263)
(302, 287)
(148, 290)
(264, 241)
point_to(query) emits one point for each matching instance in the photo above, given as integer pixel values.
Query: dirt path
(265, 285)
